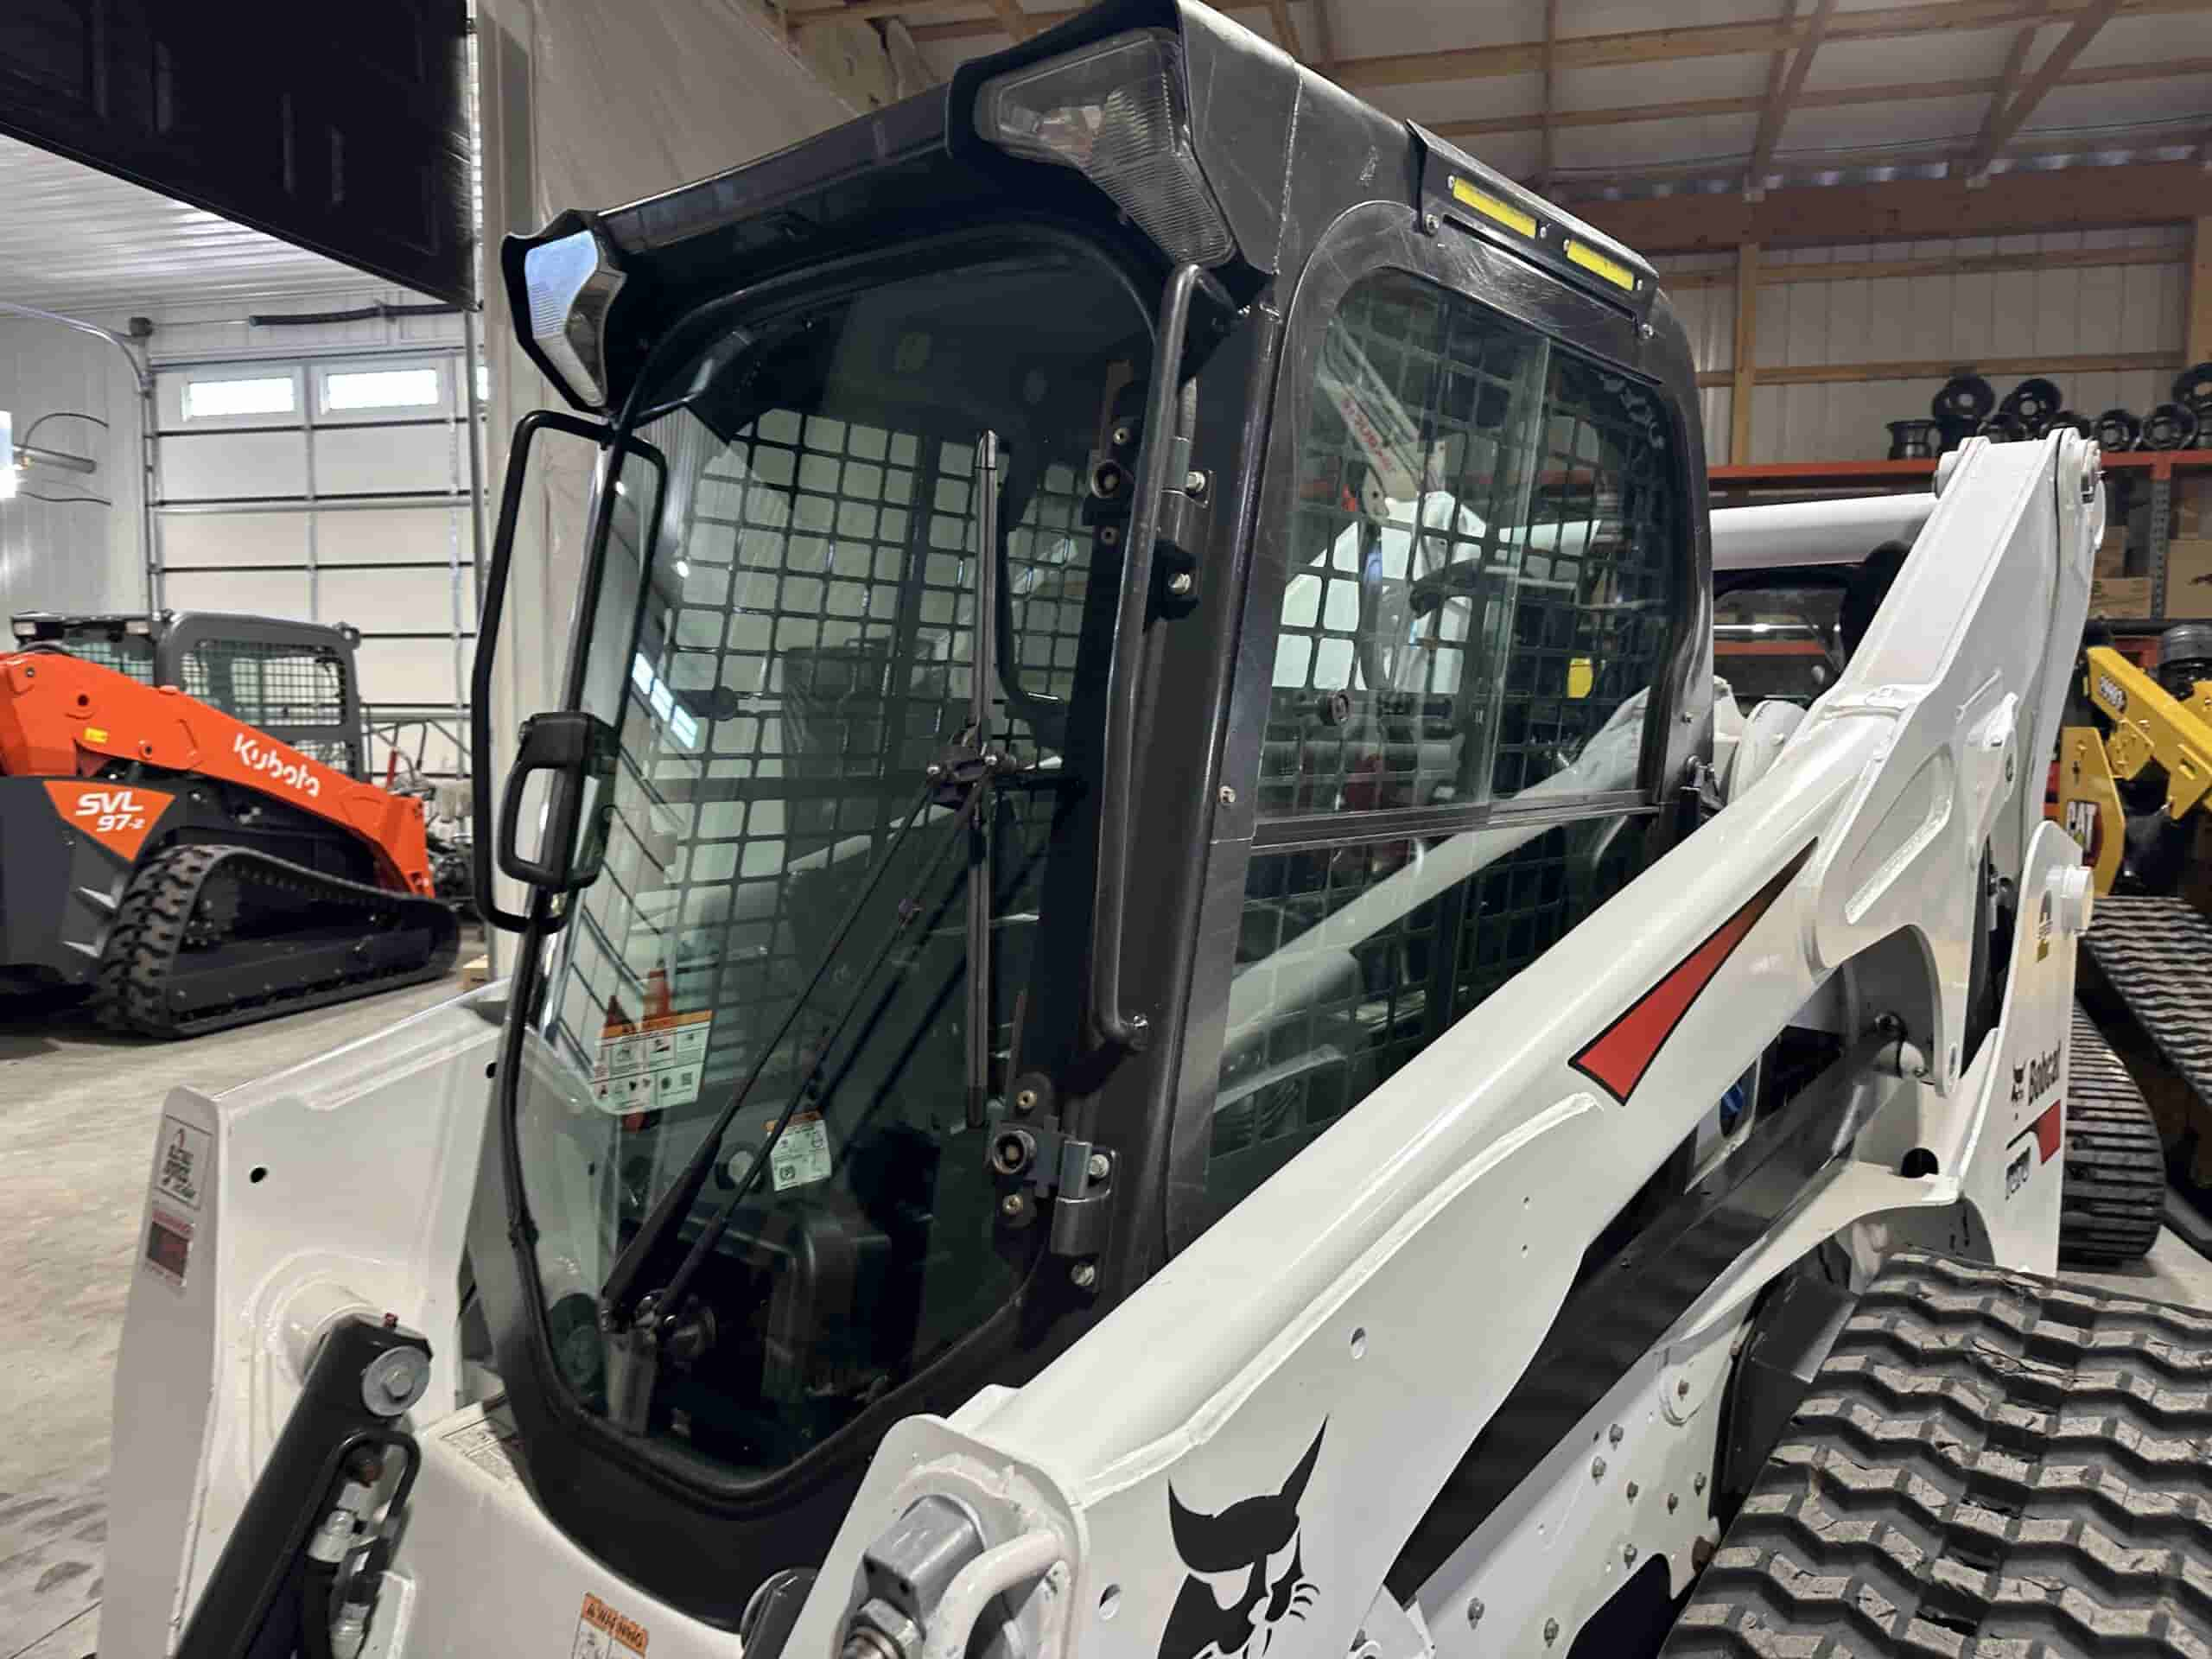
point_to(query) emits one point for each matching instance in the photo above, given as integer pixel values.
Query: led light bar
(571, 283)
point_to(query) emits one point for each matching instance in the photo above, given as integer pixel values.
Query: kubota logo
(292, 773)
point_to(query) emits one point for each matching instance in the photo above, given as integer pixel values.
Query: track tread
(2115, 1190)
(1990, 1465)
(169, 906)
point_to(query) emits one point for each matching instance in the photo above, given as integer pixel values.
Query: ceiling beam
(1324, 40)
(2000, 128)
(1012, 19)
(1544, 113)
(1831, 98)
(1286, 30)
(1973, 264)
(930, 23)
(1784, 93)
(2172, 132)
(2008, 82)
(2011, 203)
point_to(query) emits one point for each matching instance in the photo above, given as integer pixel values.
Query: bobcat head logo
(1246, 1578)
(2020, 1083)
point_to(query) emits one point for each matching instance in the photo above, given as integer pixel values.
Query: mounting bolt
(1194, 482)
(1700, 1485)
(1628, 1554)
(1084, 1275)
(1024, 1100)
(1633, 1488)
(1430, 223)
(1615, 1433)
(932, 773)
(1122, 437)
(1110, 535)
(1179, 584)
(1646, 330)
(1551, 1631)
(1100, 1167)
(1010, 1204)
(1228, 796)
(1474, 1612)
(1597, 1468)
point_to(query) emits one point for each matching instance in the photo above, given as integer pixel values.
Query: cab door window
(1487, 530)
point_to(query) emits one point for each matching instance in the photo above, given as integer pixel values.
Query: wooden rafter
(1014, 21)
(1903, 210)
(2008, 82)
(1783, 93)
(957, 20)
(1286, 27)
(1778, 76)
(1831, 98)
(1324, 39)
(2000, 129)
(1551, 100)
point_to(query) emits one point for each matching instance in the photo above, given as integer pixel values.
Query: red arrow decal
(1617, 1058)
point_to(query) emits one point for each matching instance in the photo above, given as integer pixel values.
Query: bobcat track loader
(1157, 1016)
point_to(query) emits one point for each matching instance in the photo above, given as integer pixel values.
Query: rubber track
(2155, 953)
(133, 990)
(1990, 1465)
(2115, 1179)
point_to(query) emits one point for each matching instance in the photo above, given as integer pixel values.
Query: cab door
(1469, 676)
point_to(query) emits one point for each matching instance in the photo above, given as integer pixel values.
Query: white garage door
(336, 490)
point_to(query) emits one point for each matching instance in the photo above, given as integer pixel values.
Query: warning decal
(168, 1245)
(643, 1066)
(602, 1633)
(184, 1162)
(802, 1152)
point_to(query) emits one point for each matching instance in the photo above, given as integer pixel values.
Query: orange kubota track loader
(189, 868)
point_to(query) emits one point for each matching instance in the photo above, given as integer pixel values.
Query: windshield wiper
(634, 1325)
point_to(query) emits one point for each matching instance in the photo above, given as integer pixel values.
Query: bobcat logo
(2020, 1083)
(1246, 1574)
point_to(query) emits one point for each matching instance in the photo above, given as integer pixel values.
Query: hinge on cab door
(1046, 1175)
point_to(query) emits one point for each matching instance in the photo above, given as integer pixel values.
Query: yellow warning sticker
(602, 1633)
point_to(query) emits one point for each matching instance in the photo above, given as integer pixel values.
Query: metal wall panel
(77, 551)
(1960, 318)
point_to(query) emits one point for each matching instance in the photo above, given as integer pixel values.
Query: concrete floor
(78, 1107)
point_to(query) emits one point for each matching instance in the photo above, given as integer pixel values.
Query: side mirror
(574, 753)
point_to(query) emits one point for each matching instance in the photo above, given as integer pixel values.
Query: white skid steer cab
(1156, 1017)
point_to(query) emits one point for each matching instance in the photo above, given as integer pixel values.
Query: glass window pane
(352, 389)
(1486, 533)
(265, 395)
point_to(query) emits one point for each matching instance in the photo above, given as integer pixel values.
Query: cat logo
(117, 816)
(2086, 827)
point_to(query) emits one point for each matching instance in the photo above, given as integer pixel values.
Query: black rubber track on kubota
(1988, 1463)
(2114, 1193)
(210, 937)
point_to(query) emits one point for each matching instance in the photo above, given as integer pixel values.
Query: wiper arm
(614, 1295)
